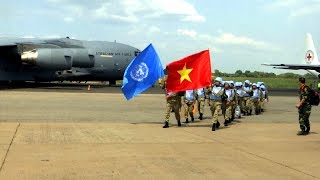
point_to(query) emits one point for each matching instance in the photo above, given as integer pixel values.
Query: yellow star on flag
(185, 73)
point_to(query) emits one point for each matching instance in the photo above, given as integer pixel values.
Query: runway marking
(5, 157)
(256, 155)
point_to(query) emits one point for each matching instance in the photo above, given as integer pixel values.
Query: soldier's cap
(226, 82)
(231, 82)
(247, 81)
(254, 84)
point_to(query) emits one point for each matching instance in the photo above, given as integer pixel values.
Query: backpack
(314, 97)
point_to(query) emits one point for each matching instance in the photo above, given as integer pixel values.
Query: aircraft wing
(294, 66)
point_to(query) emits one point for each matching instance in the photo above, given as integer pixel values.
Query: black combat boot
(308, 129)
(218, 124)
(201, 116)
(213, 126)
(166, 125)
(302, 133)
(179, 123)
(226, 122)
(257, 112)
(192, 119)
(187, 120)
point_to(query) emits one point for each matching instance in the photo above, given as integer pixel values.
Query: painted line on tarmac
(256, 155)
(5, 157)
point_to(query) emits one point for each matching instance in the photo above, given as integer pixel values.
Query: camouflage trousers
(263, 103)
(223, 108)
(241, 104)
(256, 104)
(247, 102)
(201, 102)
(304, 114)
(215, 107)
(229, 109)
(234, 105)
(188, 109)
(175, 107)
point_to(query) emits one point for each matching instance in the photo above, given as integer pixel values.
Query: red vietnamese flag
(190, 73)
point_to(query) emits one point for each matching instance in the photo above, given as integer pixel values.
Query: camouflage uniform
(234, 103)
(255, 98)
(172, 104)
(305, 109)
(189, 101)
(229, 104)
(264, 97)
(215, 103)
(247, 100)
(173, 101)
(201, 98)
(240, 96)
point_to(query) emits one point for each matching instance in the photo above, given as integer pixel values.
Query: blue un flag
(142, 73)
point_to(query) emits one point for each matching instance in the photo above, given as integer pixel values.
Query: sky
(241, 35)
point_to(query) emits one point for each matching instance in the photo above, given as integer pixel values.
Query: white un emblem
(139, 72)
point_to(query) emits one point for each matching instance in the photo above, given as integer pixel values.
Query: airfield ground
(78, 134)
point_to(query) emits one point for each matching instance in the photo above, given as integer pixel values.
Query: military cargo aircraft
(311, 62)
(45, 60)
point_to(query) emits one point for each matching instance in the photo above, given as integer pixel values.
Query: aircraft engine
(47, 58)
(81, 58)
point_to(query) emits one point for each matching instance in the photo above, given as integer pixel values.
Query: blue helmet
(219, 79)
(247, 81)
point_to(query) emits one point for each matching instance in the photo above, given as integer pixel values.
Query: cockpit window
(136, 53)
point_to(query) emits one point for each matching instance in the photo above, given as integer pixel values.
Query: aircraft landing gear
(112, 83)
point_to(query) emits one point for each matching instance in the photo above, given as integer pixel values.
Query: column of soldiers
(226, 97)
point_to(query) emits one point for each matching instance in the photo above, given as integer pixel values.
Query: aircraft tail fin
(311, 56)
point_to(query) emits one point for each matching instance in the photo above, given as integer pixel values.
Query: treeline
(258, 74)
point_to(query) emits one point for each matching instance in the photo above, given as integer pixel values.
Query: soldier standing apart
(172, 104)
(246, 99)
(189, 101)
(229, 102)
(201, 102)
(216, 93)
(304, 107)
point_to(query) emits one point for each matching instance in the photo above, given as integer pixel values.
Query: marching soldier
(230, 95)
(265, 97)
(216, 95)
(200, 96)
(172, 104)
(240, 96)
(246, 98)
(189, 101)
(234, 101)
(255, 97)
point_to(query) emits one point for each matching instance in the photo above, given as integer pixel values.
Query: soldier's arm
(220, 93)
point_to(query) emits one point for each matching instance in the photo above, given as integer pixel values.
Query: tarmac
(81, 134)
